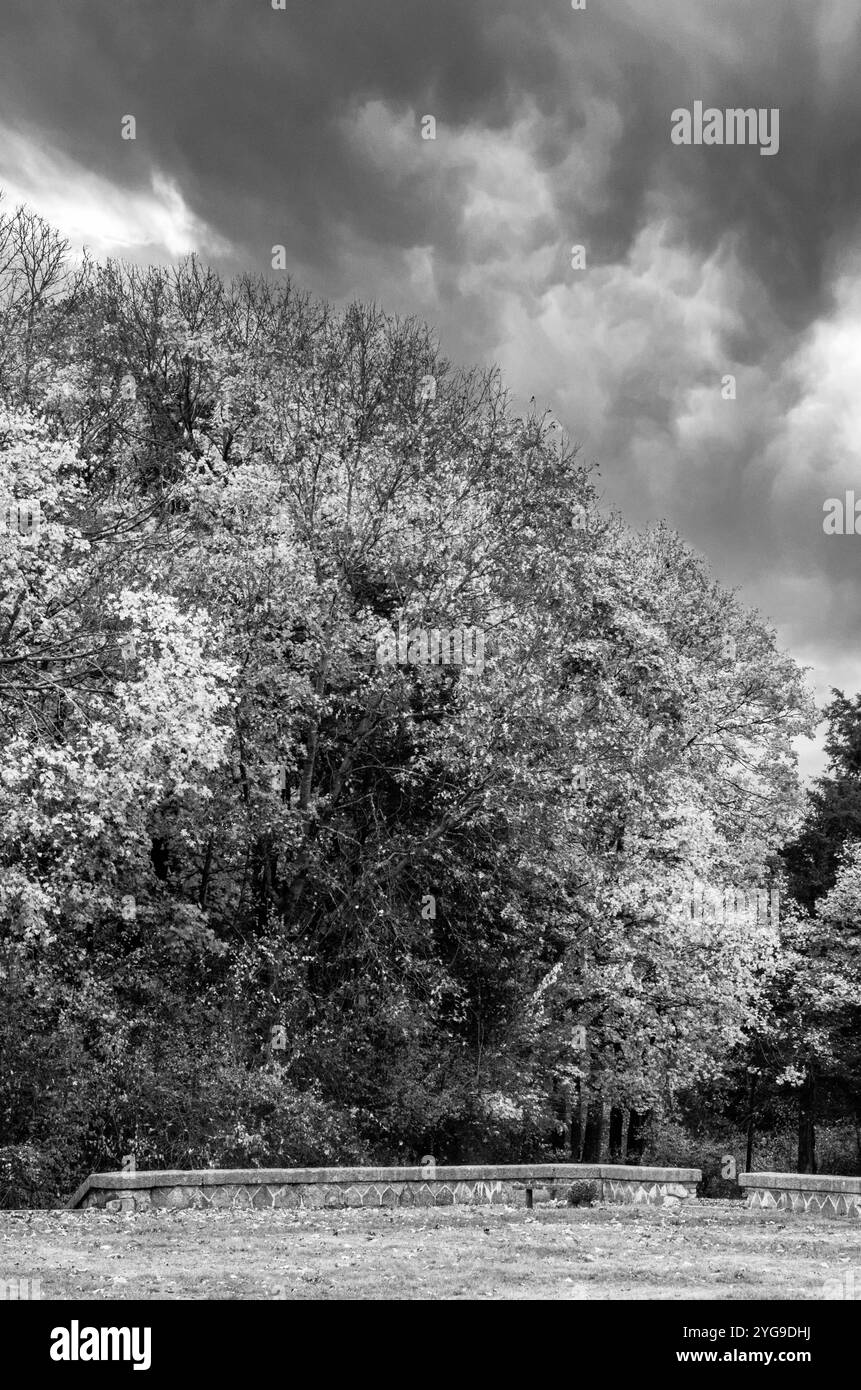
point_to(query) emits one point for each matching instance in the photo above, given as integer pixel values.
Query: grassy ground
(704, 1250)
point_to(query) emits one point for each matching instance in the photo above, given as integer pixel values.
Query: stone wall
(807, 1193)
(502, 1184)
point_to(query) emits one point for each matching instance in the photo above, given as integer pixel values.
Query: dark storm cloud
(302, 127)
(245, 105)
(249, 109)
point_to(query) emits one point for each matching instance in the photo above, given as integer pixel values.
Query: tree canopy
(264, 897)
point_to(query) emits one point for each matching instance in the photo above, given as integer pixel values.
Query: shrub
(580, 1194)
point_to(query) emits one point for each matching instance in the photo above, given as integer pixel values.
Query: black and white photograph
(430, 677)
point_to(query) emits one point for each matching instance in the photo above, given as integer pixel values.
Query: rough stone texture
(808, 1194)
(656, 1193)
(508, 1184)
(121, 1201)
(424, 1194)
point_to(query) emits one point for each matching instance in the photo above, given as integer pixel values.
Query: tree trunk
(594, 1137)
(158, 855)
(751, 1124)
(576, 1124)
(204, 878)
(616, 1133)
(807, 1125)
(560, 1104)
(638, 1127)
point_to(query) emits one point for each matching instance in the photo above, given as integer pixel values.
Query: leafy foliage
(223, 820)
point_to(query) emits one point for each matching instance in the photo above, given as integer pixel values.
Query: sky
(303, 127)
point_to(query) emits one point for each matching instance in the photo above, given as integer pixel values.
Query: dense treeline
(267, 899)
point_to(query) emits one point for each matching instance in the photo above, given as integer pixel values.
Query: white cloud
(819, 438)
(91, 211)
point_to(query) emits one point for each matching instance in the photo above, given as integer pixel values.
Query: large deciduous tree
(430, 905)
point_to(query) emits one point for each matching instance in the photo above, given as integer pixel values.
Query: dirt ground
(705, 1250)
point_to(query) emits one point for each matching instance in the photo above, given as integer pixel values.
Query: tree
(457, 892)
(813, 863)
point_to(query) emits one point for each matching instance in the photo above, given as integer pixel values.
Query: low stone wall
(808, 1193)
(505, 1184)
